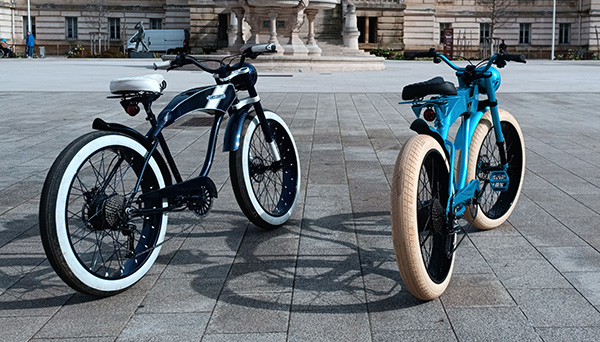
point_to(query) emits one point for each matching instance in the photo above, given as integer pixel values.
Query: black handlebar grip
(514, 58)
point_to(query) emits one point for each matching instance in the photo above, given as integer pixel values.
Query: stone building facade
(60, 25)
(525, 25)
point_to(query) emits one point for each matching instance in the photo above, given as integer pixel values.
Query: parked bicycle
(439, 180)
(105, 202)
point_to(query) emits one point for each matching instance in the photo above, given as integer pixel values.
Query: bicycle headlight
(495, 78)
(245, 79)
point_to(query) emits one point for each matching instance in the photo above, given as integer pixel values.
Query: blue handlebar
(499, 59)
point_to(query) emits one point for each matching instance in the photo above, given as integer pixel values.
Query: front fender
(233, 132)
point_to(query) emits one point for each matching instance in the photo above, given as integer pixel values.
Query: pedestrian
(30, 44)
(502, 47)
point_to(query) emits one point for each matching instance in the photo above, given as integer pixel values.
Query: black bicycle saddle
(435, 86)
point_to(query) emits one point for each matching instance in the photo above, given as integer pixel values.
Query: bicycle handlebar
(251, 52)
(514, 58)
(430, 53)
(498, 59)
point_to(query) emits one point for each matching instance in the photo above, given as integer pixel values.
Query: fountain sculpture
(279, 22)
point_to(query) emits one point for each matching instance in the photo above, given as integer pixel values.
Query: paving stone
(414, 335)
(103, 317)
(491, 324)
(504, 247)
(476, 290)
(20, 328)
(573, 259)
(258, 337)
(251, 313)
(316, 326)
(582, 334)
(165, 327)
(528, 274)
(404, 312)
(587, 284)
(556, 308)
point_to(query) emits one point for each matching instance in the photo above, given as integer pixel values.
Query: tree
(96, 12)
(497, 13)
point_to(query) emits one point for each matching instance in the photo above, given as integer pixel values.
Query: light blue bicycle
(438, 180)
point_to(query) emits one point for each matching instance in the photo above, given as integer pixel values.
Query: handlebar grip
(162, 65)
(262, 48)
(514, 58)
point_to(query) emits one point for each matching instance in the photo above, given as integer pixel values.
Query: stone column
(295, 45)
(239, 35)
(351, 32)
(254, 21)
(273, 13)
(311, 43)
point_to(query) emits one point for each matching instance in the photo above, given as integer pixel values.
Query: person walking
(502, 47)
(30, 44)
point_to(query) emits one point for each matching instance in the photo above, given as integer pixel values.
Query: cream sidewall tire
(485, 125)
(404, 218)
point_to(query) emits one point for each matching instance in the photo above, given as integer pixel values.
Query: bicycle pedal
(499, 180)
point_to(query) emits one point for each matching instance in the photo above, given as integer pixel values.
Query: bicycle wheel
(418, 215)
(266, 192)
(495, 206)
(92, 240)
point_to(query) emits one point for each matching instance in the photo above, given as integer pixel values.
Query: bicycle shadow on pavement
(28, 285)
(340, 263)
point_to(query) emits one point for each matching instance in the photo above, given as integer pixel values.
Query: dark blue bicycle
(107, 197)
(438, 180)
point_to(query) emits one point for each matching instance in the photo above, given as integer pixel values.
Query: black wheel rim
(105, 252)
(274, 185)
(432, 196)
(494, 204)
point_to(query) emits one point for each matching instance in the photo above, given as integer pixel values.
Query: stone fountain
(279, 22)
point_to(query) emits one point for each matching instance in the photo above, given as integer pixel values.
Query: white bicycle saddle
(147, 83)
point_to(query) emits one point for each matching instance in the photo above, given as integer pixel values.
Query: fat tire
(489, 216)
(55, 223)
(406, 223)
(244, 184)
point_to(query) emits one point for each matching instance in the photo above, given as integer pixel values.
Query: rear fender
(421, 127)
(101, 125)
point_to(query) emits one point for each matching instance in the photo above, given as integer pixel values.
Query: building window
(114, 28)
(564, 34)
(443, 26)
(71, 27)
(25, 26)
(373, 30)
(368, 29)
(484, 32)
(524, 34)
(155, 23)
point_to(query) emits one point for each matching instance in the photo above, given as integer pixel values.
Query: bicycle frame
(448, 109)
(218, 100)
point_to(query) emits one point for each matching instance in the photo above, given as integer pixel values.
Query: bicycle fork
(498, 179)
(266, 128)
